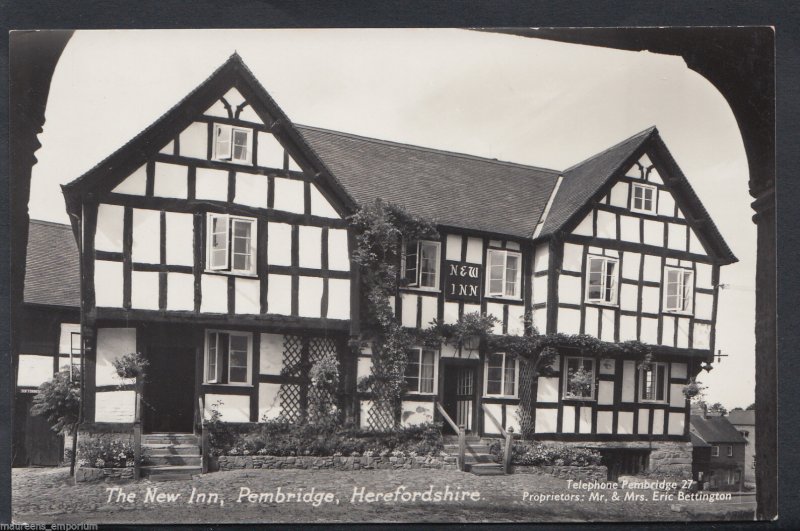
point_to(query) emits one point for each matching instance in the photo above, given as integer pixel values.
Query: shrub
(105, 452)
(538, 454)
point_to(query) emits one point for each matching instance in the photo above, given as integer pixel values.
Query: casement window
(715, 451)
(730, 451)
(679, 290)
(579, 378)
(231, 244)
(643, 198)
(420, 370)
(501, 375)
(505, 268)
(231, 144)
(601, 284)
(228, 356)
(420, 265)
(653, 383)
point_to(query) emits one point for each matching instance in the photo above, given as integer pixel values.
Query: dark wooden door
(459, 395)
(168, 397)
(35, 443)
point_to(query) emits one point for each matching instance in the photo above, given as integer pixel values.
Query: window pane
(496, 272)
(660, 378)
(240, 144)
(512, 266)
(611, 282)
(426, 373)
(673, 289)
(428, 264)
(242, 250)
(510, 376)
(219, 242)
(412, 371)
(223, 142)
(238, 374)
(687, 290)
(494, 375)
(595, 289)
(211, 369)
(411, 263)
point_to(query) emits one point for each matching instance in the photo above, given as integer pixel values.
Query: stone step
(170, 449)
(170, 438)
(170, 472)
(171, 459)
(485, 469)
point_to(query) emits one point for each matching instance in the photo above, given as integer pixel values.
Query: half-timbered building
(216, 243)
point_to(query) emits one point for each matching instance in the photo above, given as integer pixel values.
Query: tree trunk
(74, 456)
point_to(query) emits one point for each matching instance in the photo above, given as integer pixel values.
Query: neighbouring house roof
(715, 430)
(454, 189)
(742, 418)
(52, 266)
(697, 442)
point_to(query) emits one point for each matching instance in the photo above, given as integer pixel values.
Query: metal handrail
(462, 437)
(508, 435)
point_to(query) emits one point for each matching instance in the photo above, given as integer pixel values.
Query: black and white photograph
(392, 275)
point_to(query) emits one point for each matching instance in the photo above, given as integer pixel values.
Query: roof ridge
(426, 148)
(647, 131)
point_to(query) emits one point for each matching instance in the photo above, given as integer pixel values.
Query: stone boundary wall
(588, 472)
(229, 462)
(89, 475)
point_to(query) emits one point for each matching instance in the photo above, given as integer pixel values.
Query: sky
(501, 96)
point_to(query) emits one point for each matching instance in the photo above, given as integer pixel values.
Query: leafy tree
(717, 409)
(59, 401)
(751, 407)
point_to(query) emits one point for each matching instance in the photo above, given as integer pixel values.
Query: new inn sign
(463, 281)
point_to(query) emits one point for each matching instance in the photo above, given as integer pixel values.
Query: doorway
(459, 394)
(168, 395)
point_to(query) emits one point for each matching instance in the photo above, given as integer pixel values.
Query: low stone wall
(332, 463)
(589, 472)
(88, 475)
(671, 460)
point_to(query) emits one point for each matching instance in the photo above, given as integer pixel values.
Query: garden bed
(387, 462)
(89, 475)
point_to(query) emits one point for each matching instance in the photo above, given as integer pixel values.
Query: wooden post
(137, 432)
(508, 450)
(462, 448)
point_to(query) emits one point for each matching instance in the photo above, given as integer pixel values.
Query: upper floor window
(420, 370)
(579, 378)
(602, 282)
(730, 451)
(653, 383)
(227, 357)
(231, 143)
(501, 375)
(505, 270)
(679, 289)
(231, 244)
(644, 198)
(715, 451)
(421, 264)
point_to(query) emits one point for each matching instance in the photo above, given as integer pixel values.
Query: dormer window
(231, 144)
(231, 244)
(644, 198)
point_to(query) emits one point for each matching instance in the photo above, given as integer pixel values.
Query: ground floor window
(579, 378)
(420, 370)
(501, 375)
(228, 356)
(653, 383)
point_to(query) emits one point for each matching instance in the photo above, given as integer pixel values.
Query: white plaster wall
(605, 393)
(453, 247)
(516, 320)
(676, 236)
(541, 256)
(364, 407)
(625, 422)
(34, 370)
(310, 242)
(569, 321)
(171, 180)
(628, 380)
(180, 238)
(547, 390)
(232, 408)
(194, 141)
(495, 309)
(279, 244)
(606, 225)
(573, 257)
(568, 419)
(630, 265)
(247, 297)
(269, 402)
(605, 422)
(497, 411)
(211, 184)
(609, 320)
(569, 289)
(658, 422)
(653, 233)
(585, 227)
(65, 337)
(112, 343)
(540, 289)
(217, 109)
(363, 367)
(694, 244)
(310, 297)
(270, 354)
(628, 297)
(607, 366)
(668, 330)
(546, 420)
(249, 114)
(108, 283)
(115, 406)
(289, 195)
(293, 165)
(251, 190)
(654, 177)
(666, 204)
(676, 422)
(644, 421)
(475, 250)
(144, 290)
(134, 184)
(683, 332)
(585, 420)
(338, 254)
(627, 328)
(321, 206)
(702, 336)
(409, 316)
(108, 234)
(703, 273)
(679, 370)
(415, 413)
(146, 236)
(630, 229)
(591, 320)
(619, 195)
(450, 312)
(676, 396)
(338, 298)
(650, 300)
(214, 294)
(180, 291)
(652, 268)
(279, 294)
(649, 330)
(429, 311)
(270, 151)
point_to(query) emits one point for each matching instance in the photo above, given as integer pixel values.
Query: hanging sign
(463, 281)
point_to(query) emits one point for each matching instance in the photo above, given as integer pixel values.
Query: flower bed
(87, 475)
(443, 462)
(558, 460)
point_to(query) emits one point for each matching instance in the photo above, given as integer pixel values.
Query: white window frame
(565, 373)
(226, 131)
(416, 284)
(228, 266)
(216, 380)
(684, 273)
(642, 372)
(715, 451)
(418, 352)
(730, 450)
(603, 278)
(503, 368)
(517, 281)
(643, 187)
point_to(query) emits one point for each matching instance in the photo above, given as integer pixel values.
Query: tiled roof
(52, 268)
(742, 418)
(583, 180)
(697, 442)
(453, 189)
(716, 430)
